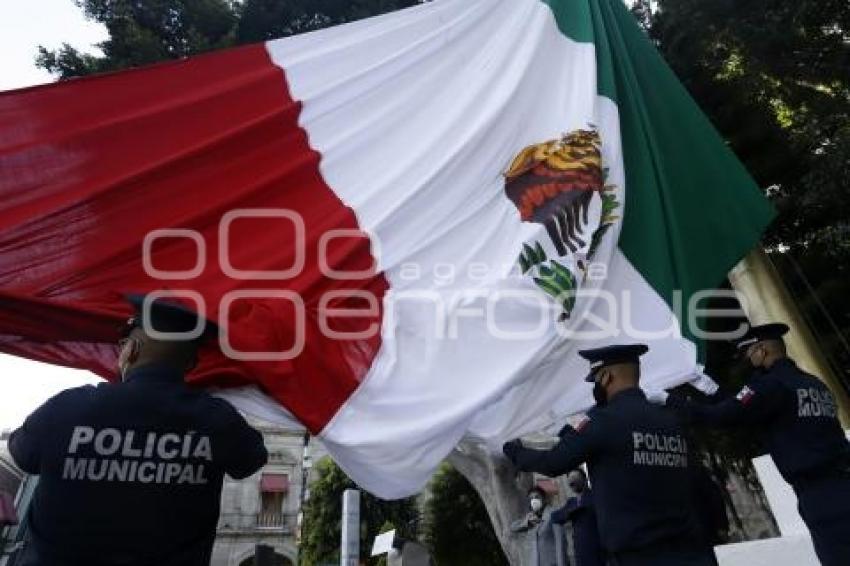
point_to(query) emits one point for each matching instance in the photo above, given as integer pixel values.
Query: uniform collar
(160, 373)
(780, 364)
(630, 393)
(785, 362)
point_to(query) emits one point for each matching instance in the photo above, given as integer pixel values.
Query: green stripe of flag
(692, 210)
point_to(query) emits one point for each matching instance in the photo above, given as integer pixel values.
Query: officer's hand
(657, 397)
(510, 449)
(566, 430)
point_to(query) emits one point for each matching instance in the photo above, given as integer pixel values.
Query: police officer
(131, 473)
(581, 513)
(797, 418)
(638, 461)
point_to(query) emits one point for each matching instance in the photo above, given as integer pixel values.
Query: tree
(501, 489)
(261, 20)
(459, 531)
(144, 32)
(322, 516)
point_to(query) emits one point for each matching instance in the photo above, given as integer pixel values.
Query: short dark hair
(537, 489)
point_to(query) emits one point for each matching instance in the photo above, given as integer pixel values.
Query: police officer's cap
(772, 331)
(610, 355)
(165, 315)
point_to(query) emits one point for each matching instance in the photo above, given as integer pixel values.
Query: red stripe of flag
(90, 166)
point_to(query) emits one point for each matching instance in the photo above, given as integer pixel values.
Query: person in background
(130, 473)
(580, 513)
(544, 539)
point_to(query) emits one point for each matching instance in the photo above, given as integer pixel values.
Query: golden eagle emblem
(553, 183)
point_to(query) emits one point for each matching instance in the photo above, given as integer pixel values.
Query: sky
(24, 25)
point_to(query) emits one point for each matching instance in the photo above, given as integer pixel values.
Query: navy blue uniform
(709, 508)
(581, 513)
(797, 418)
(131, 473)
(638, 461)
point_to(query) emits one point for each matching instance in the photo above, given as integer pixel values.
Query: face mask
(536, 505)
(599, 395)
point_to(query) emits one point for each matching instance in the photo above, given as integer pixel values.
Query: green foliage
(261, 20)
(459, 531)
(320, 537)
(144, 32)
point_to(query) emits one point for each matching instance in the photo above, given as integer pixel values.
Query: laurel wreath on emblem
(553, 183)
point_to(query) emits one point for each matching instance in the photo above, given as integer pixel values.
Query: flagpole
(768, 300)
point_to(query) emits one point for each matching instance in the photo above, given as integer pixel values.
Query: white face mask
(536, 504)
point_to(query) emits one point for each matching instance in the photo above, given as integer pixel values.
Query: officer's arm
(559, 516)
(573, 449)
(25, 443)
(245, 450)
(751, 405)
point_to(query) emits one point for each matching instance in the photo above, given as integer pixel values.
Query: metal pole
(767, 300)
(306, 466)
(350, 549)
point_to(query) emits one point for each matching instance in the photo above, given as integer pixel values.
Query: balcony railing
(264, 521)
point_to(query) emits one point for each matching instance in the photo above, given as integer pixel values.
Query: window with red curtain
(274, 483)
(273, 489)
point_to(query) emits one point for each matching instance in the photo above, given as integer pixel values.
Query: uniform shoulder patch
(745, 395)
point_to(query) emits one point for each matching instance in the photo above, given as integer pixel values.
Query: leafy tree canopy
(459, 531)
(147, 31)
(321, 532)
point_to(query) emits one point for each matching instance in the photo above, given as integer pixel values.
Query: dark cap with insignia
(772, 331)
(610, 355)
(167, 316)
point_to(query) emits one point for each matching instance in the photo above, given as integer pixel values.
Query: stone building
(265, 508)
(15, 491)
(11, 478)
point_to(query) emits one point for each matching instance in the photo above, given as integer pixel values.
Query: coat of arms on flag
(554, 183)
(330, 163)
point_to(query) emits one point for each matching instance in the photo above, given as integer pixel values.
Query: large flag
(407, 226)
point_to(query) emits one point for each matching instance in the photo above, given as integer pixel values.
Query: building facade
(15, 492)
(264, 508)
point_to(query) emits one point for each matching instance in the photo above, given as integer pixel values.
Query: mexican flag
(407, 226)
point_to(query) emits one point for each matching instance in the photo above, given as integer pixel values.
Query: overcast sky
(24, 25)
